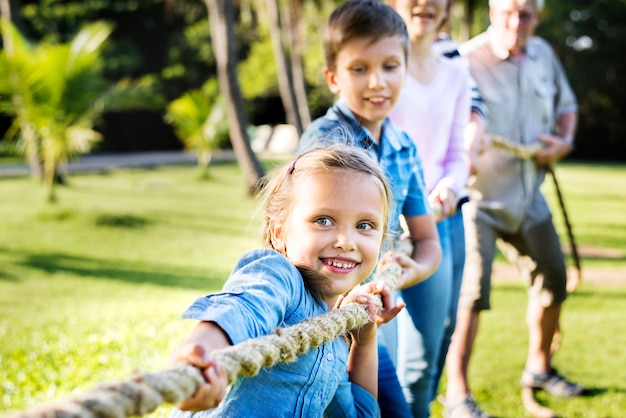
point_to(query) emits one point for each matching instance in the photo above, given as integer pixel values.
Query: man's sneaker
(553, 383)
(467, 408)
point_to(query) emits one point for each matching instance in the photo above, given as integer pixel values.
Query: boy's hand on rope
(195, 352)
(412, 272)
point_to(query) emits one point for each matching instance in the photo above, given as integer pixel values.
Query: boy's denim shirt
(396, 153)
(266, 291)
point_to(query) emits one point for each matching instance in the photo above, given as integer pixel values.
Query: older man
(531, 106)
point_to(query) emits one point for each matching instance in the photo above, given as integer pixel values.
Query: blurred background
(273, 50)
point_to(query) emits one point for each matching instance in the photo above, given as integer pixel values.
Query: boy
(366, 47)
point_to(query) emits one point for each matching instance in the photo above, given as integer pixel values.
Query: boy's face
(369, 76)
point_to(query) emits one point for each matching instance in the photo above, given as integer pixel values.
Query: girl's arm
(363, 362)
(195, 349)
(363, 358)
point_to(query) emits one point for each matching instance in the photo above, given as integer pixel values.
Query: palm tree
(200, 124)
(57, 92)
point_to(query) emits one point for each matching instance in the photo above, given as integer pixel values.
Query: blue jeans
(390, 397)
(457, 246)
(425, 327)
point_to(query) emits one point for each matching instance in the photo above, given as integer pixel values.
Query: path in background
(103, 162)
(268, 141)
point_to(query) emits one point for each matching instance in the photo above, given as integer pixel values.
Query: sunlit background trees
(265, 56)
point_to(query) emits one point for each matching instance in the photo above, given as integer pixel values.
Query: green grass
(594, 197)
(92, 288)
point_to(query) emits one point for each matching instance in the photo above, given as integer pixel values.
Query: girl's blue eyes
(365, 226)
(327, 222)
(323, 221)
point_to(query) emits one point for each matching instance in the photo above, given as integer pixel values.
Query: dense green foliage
(170, 40)
(56, 93)
(92, 289)
(589, 37)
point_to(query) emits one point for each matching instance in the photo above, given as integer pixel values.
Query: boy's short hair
(358, 19)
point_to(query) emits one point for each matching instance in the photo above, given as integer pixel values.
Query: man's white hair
(538, 3)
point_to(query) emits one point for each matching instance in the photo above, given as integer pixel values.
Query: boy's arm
(426, 251)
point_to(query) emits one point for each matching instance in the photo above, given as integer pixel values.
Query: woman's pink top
(435, 116)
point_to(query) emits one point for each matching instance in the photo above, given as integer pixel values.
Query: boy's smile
(369, 75)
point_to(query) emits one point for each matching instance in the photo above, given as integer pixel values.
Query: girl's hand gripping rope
(194, 350)
(378, 301)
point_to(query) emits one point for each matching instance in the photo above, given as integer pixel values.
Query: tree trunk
(9, 10)
(223, 41)
(466, 23)
(297, 31)
(283, 69)
(50, 171)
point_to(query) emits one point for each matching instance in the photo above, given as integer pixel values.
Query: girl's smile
(335, 227)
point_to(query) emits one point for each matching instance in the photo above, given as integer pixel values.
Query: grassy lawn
(92, 288)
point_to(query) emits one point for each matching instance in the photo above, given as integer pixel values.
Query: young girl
(326, 216)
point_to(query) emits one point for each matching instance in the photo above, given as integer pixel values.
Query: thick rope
(145, 392)
(522, 151)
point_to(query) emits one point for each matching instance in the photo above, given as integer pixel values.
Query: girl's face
(422, 17)
(369, 77)
(335, 227)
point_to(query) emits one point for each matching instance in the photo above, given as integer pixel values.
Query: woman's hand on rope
(205, 337)
(444, 199)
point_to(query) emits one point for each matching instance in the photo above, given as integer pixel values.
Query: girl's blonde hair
(278, 193)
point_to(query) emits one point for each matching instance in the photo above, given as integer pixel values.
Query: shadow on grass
(121, 221)
(120, 270)
(7, 277)
(224, 223)
(231, 225)
(518, 287)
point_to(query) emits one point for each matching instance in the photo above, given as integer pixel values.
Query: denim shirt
(266, 291)
(396, 153)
